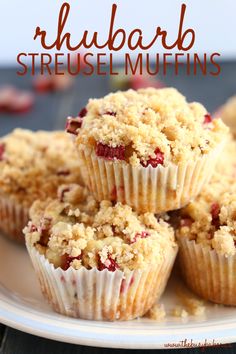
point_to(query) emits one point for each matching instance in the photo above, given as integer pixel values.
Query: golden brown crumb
(149, 119)
(226, 163)
(157, 312)
(179, 311)
(34, 164)
(192, 305)
(210, 219)
(228, 113)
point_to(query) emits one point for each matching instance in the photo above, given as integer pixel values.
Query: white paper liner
(102, 295)
(13, 218)
(147, 189)
(209, 274)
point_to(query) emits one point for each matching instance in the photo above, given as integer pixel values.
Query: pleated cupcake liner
(148, 189)
(207, 273)
(102, 295)
(13, 218)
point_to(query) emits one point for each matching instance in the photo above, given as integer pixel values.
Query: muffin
(228, 114)
(150, 148)
(32, 166)
(226, 163)
(96, 260)
(207, 240)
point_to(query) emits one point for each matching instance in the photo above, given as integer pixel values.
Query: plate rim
(108, 337)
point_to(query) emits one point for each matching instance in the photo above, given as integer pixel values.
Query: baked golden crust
(34, 164)
(139, 123)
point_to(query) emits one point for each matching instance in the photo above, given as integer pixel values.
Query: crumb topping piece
(148, 127)
(211, 218)
(228, 113)
(34, 164)
(75, 230)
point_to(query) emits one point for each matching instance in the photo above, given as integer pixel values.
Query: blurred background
(46, 106)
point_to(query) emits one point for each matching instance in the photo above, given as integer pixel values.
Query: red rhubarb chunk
(110, 153)
(22, 103)
(68, 259)
(63, 173)
(83, 112)
(110, 113)
(186, 222)
(109, 264)
(215, 212)
(73, 124)
(144, 81)
(2, 151)
(33, 228)
(154, 162)
(61, 194)
(207, 119)
(143, 234)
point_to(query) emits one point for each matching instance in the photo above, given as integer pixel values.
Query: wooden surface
(49, 113)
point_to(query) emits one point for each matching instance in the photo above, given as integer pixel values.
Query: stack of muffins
(101, 233)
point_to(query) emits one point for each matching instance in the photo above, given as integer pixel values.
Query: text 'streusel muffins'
(98, 260)
(150, 148)
(32, 166)
(207, 240)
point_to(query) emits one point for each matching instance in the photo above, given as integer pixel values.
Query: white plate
(23, 307)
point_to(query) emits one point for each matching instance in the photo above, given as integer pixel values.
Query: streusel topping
(211, 218)
(77, 231)
(226, 163)
(148, 126)
(228, 113)
(34, 164)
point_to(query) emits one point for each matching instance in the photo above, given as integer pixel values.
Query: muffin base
(13, 218)
(149, 189)
(208, 274)
(102, 295)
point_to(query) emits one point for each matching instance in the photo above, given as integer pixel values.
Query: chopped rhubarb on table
(73, 124)
(22, 102)
(207, 119)
(143, 234)
(2, 151)
(66, 260)
(144, 81)
(51, 83)
(154, 162)
(109, 152)
(109, 264)
(13, 100)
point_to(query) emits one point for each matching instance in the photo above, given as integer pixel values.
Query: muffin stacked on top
(148, 148)
(32, 166)
(108, 255)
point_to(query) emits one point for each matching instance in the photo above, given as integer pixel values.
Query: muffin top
(33, 165)
(75, 230)
(211, 218)
(148, 127)
(226, 163)
(228, 113)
